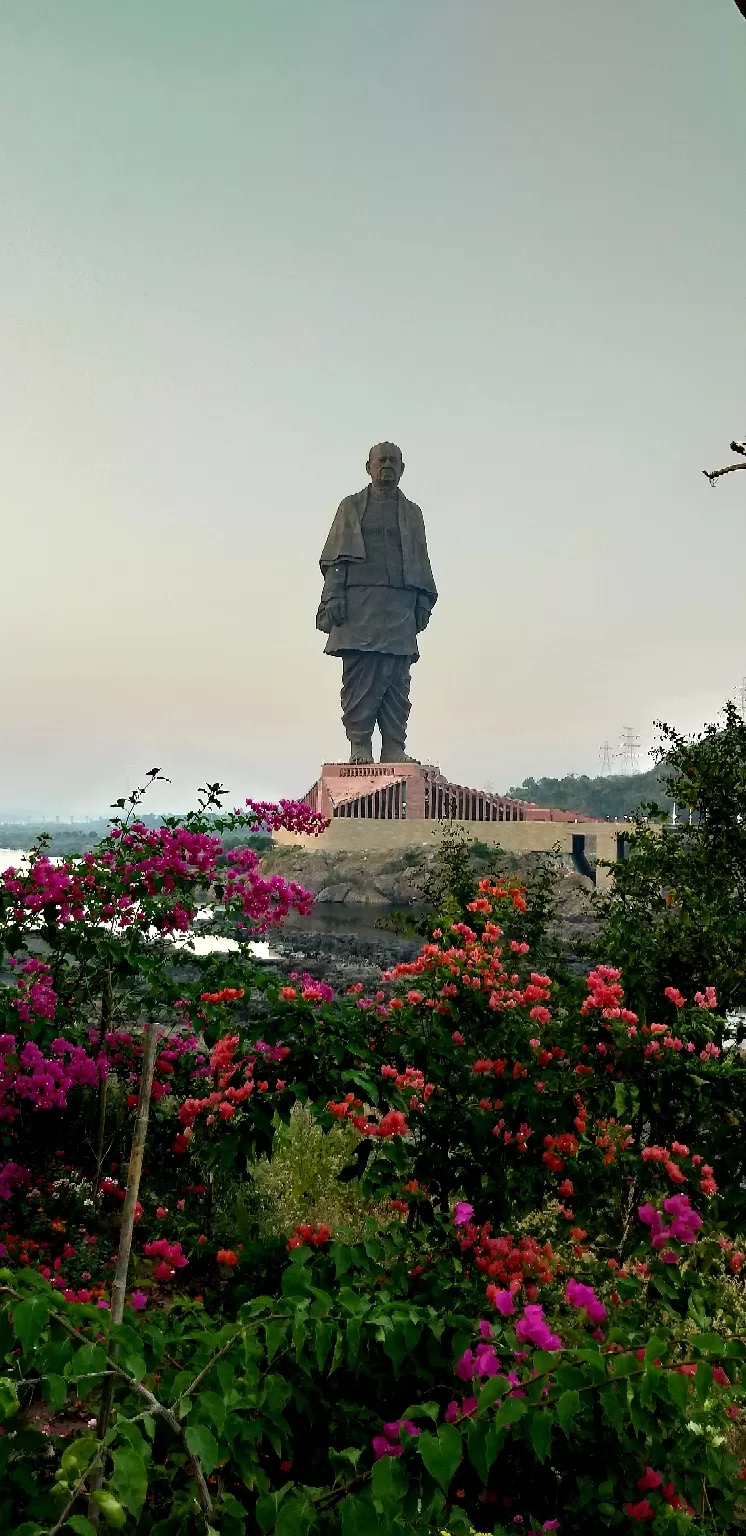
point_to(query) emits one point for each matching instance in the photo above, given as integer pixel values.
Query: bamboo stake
(119, 1287)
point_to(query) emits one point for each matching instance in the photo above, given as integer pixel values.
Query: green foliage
(300, 1181)
(676, 911)
(614, 796)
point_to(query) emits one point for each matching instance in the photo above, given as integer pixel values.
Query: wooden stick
(119, 1287)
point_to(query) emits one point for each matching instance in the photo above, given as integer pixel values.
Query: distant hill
(614, 796)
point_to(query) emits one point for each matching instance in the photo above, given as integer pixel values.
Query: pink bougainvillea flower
(388, 1443)
(532, 1328)
(643, 1510)
(584, 1296)
(650, 1479)
(463, 1213)
(504, 1303)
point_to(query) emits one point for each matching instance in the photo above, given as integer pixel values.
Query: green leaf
(136, 1366)
(9, 1403)
(567, 1407)
(613, 1407)
(510, 1411)
(484, 1441)
(709, 1343)
(268, 1507)
(277, 1391)
(232, 1506)
(214, 1406)
(340, 1253)
(594, 1361)
(496, 1387)
(624, 1365)
(130, 1432)
(441, 1453)
(568, 1377)
(541, 1434)
(648, 1386)
(677, 1390)
(110, 1508)
(90, 1360)
(620, 1100)
(80, 1525)
(655, 1349)
(274, 1333)
(55, 1392)
(359, 1518)
(324, 1336)
(294, 1518)
(702, 1382)
(421, 1411)
(76, 1456)
(203, 1445)
(30, 1318)
(130, 1479)
(388, 1482)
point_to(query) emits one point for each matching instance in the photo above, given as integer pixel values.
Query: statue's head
(385, 465)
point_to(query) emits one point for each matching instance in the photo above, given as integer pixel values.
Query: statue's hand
(331, 613)
(422, 610)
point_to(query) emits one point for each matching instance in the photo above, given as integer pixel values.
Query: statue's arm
(333, 606)
(423, 608)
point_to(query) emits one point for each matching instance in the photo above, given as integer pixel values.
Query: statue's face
(385, 465)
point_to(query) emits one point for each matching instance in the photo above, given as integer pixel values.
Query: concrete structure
(382, 807)
(581, 843)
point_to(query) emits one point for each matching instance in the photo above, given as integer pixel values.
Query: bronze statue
(378, 594)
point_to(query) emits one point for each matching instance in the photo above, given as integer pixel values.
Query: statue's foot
(361, 752)
(395, 754)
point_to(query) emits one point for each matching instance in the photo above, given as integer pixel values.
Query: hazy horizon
(243, 243)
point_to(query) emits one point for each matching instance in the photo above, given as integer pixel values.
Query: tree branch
(714, 474)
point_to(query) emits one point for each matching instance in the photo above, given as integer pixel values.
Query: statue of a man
(378, 594)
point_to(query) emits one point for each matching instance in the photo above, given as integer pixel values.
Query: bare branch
(714, 474)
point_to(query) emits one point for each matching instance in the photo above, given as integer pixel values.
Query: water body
(197, 943)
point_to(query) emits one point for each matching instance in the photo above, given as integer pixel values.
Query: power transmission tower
(742, 698)
(629, 750)
(607, 758)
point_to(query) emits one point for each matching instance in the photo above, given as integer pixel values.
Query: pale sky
(243, 241)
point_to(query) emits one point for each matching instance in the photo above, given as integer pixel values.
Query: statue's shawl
(345, 541)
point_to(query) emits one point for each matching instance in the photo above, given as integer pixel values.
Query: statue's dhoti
(375, 690)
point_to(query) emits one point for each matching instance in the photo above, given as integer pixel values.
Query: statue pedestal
(411, 792)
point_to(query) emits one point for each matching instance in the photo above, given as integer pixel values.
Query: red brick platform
(414, 792)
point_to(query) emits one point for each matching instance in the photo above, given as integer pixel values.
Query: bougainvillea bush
(536, 1322)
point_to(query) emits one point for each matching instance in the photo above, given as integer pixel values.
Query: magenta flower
(454, 1412)
(463, 1214)
(138, 1300)
(533, 1329)
(584, 1296)
(504, 1302)
(388, 1443)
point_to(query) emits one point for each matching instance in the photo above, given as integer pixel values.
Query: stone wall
(601, 838)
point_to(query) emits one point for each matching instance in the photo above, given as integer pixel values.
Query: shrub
(535, 1322)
